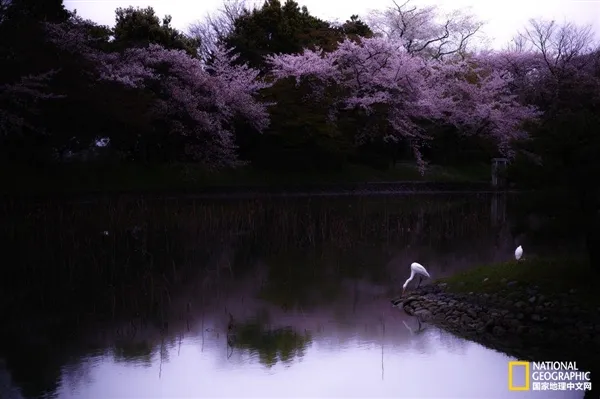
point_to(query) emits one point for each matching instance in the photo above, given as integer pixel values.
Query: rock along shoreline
(519, 321)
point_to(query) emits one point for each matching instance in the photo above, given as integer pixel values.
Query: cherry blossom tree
(426, 31)
(479, 100)
(379, 74)
(523, 69)
(198, 103)
(201, 105)
(18, 101)
(544, 54)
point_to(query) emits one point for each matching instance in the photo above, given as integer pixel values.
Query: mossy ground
(552, 276)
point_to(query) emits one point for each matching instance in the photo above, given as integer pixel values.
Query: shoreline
(527, 325)
(257, 191)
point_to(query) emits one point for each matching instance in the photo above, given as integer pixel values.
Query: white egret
(415, 268)
(518, 252)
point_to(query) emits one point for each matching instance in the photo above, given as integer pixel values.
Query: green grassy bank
(552, 276)
(77, 177)
(552, 308)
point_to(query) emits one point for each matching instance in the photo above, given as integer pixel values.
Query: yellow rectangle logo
(511, 367)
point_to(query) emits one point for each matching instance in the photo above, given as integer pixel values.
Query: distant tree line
(68, 91)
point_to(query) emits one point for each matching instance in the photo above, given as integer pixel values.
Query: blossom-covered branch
(200, 103)
(379, 72)
(479, 100)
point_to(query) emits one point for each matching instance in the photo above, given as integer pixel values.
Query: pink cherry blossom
(198, 103)
(523, 70)
(376, 71)
(377, 77)
(479, 100)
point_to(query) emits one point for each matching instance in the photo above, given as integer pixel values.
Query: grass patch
(552, 276)
(78, 177)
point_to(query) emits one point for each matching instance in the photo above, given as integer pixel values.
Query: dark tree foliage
(302, 135)
(25, 52)
(355, 28)
(569, 141)
(47, 10)
(141, 26)
(288, 29)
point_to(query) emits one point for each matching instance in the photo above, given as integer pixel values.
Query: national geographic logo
(547, 376)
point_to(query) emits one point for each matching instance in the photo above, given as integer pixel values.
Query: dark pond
(243, 298)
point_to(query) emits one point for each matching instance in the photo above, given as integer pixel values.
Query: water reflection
(357, 359)
(241, 298)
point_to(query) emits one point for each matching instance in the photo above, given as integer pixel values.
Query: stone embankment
(518, 320)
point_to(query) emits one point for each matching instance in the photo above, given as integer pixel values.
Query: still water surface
(286, 298)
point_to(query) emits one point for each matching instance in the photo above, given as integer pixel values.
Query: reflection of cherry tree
(334, 230)
(129, 351)
(281, 344)
(313, 277)
(376, 233)
(298, 281)
(354, 314)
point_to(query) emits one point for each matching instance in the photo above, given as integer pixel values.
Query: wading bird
(518, 252)
(415, 268)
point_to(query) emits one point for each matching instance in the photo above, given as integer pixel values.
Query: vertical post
(494, 215)
(499, 172)
(498, 211)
